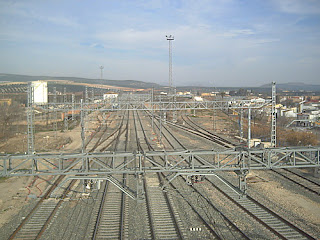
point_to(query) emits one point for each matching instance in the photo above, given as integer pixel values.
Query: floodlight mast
(170, 38)
(101, 68)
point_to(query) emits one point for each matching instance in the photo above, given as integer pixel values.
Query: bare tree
(222, 94)
(294, 138)
(10, 114)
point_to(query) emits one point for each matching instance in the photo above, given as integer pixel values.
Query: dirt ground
(44, 142)
(297, 203)
(17, 191)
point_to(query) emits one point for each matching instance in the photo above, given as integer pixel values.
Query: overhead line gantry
(190, 162)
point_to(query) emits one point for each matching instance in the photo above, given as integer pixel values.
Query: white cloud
(186, 36)
(236, 33)
(215, 40)
(153, 4)
(265, 40)
(28, 11)
(298, 6)
(59, 20)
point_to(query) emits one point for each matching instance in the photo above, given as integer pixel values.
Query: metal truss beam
(182, 162)
(134, 97)
(163, 106)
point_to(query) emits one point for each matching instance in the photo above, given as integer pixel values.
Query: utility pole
(152, 111)
(249, 127)
(82, 124)
(30, 119)
(160, 127)
(86, 97)
(83, 141)
(241, 124)
(73, 105)
(213, 119)
(55, 113)
(64, 95)
(273, 117)
(92, 94)
(66, 111)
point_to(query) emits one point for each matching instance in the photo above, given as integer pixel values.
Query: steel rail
(151, 224)
(124, 182)
(100, 137)
(316, 185)
(38, 205)
(97, 226)
(283, 220)
(171, 211)
(267, 209)
(208, 133)
(104, 192)
(66, 191)
(45, 196)
(210, 203)
(209, 227)
(314, 188)
(273, 230)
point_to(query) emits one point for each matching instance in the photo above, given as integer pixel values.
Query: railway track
(300, 180)
(294, 177)
(110, 217)
(41, 215)
(165, 221)
(230, 230)
(271, 220)
(83, 217)
(109, 223)
(38, 219)
(201, 133)
(214, 137)
(265, 216)
(99, 133)
(163, 217)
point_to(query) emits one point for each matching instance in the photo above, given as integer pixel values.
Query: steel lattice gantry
(163, 106)
(94, 166)
(183, 162)
(172, 163)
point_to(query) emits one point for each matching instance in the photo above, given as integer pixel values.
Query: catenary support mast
(273, 117)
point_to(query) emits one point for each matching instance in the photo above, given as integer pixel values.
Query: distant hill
(294, 86)
(118, 83)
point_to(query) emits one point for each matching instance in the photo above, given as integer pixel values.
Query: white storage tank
(40, 92)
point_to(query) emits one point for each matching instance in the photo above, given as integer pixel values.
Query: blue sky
(217, 42)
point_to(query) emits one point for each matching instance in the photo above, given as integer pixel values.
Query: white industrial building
(198, 99)
(40, 92)
(107, 96)
(257, 100)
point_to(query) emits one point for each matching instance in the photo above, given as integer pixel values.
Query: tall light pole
(170, 38)
(101, 68)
